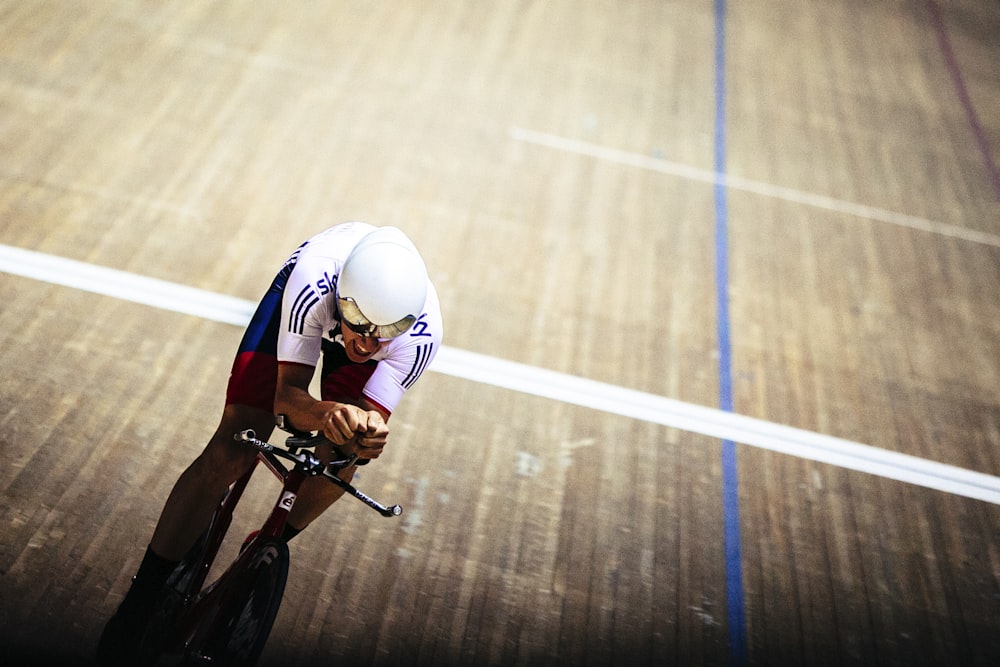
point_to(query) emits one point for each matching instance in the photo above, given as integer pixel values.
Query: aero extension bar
(313, 466)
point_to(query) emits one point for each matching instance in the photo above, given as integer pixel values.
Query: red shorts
(254, 378)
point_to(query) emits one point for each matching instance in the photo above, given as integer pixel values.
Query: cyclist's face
(359, 348)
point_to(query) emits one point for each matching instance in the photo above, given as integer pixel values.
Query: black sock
(154, 567)
(289, 532)
(149, 579)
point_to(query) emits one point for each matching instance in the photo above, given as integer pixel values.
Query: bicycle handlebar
(311, 465)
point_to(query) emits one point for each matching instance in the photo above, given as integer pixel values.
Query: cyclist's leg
(188, 509)
(185, 516)
(249, 405)
(196, 493)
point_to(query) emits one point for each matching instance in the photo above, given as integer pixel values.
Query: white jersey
(309, 314)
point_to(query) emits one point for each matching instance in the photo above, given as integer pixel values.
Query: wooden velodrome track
(557, 164)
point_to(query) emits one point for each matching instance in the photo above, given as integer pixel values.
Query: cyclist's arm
(339, 422)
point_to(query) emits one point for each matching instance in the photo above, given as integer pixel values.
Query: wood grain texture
(200, 142)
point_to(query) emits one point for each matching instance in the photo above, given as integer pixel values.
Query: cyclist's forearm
(303, 411)
(292, 398)
(339, 422)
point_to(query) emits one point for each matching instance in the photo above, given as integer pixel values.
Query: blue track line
(730, 479)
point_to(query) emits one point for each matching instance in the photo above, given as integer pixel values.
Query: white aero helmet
(383, 285)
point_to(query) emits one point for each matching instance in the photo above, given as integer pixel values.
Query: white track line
(536, 381)
(126, 286)
(747, 185)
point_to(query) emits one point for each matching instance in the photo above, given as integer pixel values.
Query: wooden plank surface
(553, 161)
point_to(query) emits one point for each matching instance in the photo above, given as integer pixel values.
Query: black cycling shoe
(119, 642)
(122, 636)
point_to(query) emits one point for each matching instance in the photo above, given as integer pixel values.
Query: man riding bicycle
(354, 297)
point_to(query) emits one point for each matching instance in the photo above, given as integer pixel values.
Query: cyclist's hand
(348, 425)
(371, 441)
(343, 422)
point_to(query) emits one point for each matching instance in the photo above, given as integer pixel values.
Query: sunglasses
(355, 320)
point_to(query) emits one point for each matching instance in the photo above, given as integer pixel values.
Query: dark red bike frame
(196, 608)
(307, 465)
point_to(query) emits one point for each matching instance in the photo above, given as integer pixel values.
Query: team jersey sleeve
(407, 358)
(304, 316)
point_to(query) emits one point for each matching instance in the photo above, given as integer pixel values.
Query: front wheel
(242, 626)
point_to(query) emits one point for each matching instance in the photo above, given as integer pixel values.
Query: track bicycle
(228, 621)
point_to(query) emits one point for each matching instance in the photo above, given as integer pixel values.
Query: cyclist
(354, 297)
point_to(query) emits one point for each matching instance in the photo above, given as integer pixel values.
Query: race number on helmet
(383, 285)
